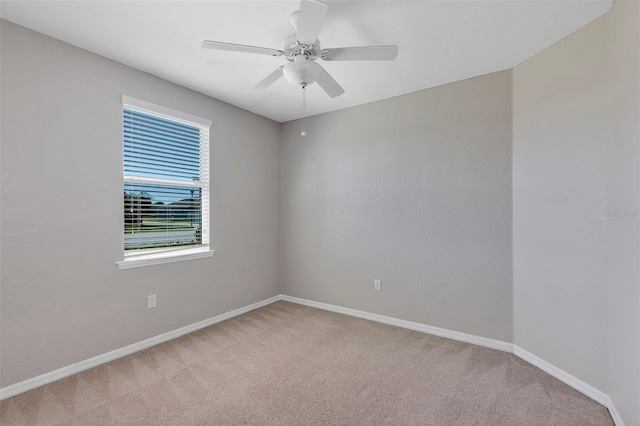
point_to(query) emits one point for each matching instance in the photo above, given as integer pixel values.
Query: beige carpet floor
(286, 364)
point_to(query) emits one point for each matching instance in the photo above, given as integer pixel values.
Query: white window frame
(155, 256)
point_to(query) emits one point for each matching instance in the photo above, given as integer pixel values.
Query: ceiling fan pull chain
(304, 109)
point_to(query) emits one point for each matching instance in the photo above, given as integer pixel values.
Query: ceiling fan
(302, 50)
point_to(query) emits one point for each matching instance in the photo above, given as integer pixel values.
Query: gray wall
(623, 193)
(413, 190)
(63, 298)
(559, 177)
(575, 156)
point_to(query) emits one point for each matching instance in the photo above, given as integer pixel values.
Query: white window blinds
(166, 179)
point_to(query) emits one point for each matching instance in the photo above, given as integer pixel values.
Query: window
(166, 185)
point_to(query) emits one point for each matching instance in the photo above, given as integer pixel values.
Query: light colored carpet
(286, 364)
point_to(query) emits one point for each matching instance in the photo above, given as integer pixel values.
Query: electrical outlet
(151, 301)
(377, 285)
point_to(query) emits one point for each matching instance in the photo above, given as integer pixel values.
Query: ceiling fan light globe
(302, 72)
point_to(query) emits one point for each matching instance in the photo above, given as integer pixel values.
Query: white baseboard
(442, 332)
(551, 369)
(585, 388)
(615, 414)
(548, 368)
(61, 373)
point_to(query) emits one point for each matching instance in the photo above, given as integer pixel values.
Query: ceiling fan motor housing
(292, 48)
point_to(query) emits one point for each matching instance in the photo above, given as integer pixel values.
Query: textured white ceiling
(439, 42)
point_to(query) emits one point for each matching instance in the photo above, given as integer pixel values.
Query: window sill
(137, 261)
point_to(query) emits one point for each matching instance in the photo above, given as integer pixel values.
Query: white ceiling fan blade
(231, 47)
(364, 53)
(328, 84)
(268, 80)
(310, 21)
